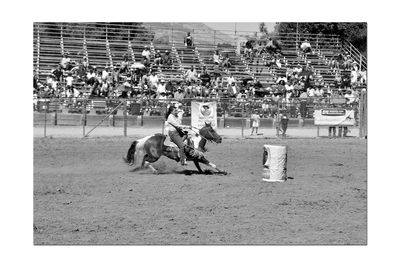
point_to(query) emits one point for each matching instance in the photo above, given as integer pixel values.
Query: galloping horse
(150, 148)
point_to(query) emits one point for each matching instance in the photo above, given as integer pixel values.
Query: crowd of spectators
(142, 80)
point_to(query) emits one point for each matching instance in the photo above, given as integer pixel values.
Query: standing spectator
(284, 123)
(303, 103)
(70, 80)
(188, 41)
(255, 123)
(363, 75)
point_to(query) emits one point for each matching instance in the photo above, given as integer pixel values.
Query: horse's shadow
(205, 172)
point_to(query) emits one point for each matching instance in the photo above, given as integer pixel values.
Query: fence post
(84, 116)
(363, 115)
(242, 121)
(125, 118)
(45, 118)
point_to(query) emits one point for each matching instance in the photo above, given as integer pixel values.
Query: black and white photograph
(144, 133)
(211, 133)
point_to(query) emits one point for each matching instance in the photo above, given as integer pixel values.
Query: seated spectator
(157, 58)
(58, 73)
(349, 97)
(226, 63)
(162, 96)
(104, 74)
(205, 76)
(305, 47)
(90, 77)
(354, 77)
(66, 62)
(188, 41)
(153, 79)
(124, 64)
(216, 58)
(146, 54)
(179, 95)
(166, 60)
(161, 87)
(270, 47)
(363, 76)
(298, 69)
(230, 79)
(191, 75)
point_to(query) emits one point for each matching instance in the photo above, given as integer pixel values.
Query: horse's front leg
(147, 164)
(212, 165)
(196, 163)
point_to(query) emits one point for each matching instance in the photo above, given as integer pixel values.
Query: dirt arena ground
(85, 195)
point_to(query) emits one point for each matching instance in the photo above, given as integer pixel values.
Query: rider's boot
(182, 156)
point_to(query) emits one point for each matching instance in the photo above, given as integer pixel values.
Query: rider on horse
(176, 131)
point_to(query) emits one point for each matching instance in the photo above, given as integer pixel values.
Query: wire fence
(140, 112)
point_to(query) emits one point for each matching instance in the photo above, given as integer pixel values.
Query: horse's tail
(130, 157)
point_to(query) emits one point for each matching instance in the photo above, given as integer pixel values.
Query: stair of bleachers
(97, 53)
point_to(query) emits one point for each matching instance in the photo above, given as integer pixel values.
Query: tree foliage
(354, 32)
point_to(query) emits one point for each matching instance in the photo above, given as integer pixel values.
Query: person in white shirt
(306, 46)
(230, 79)
(256, 122)
(191, 75)
(161, 87)
(69, 80)
(153, 78)
(65, 61)
(146, 53)
(216, 58)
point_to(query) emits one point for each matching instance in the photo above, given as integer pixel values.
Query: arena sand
(84, 194)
